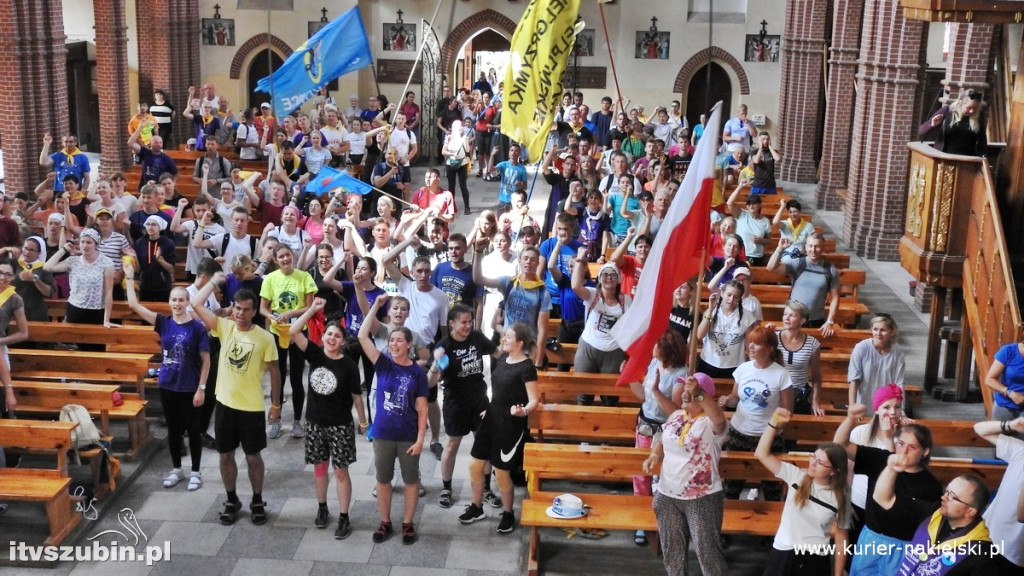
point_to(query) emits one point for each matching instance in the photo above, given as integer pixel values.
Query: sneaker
(323, 517)
(3, 507)
(195, 481)
(209, 441)
(344, 529)
(445, 501)
(172, 478)
(507, 523)
(423, 491)
(493, 499)
(374, 493)
(297, 430)
(437, 450)
(275, 430)
(472, 514)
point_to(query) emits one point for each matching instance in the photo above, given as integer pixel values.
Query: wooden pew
(119, 311)
(45, 399)
(128, 338)
(594, 464)
(48, 486)
(105, 367)
(617, 426)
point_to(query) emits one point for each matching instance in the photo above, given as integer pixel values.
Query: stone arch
(254, 44)
(470, 27)
(699, 59)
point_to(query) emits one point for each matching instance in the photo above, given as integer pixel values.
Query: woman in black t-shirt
(514, 394)
(330, 434)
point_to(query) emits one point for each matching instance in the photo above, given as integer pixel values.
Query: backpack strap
(817, 500)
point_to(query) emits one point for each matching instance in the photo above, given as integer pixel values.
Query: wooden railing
(990, 298)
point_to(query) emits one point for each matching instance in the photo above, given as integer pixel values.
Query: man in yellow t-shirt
(246, 352)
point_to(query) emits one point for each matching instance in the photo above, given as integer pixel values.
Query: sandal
(408, 533)
(640, 538)
(259, 513)
(382, 532)
(230, 513)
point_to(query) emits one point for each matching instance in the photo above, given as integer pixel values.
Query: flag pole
(611, 58)
(416, 62)
(695, 310)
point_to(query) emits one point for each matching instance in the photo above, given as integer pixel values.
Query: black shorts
(483, 142)
(500, 439)
(234, 427)
(432, 395)
(463, 411)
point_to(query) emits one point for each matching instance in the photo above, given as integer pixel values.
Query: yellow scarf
(207, 120)
(519, 281)
(6, 295)
(797, 229)
(686, 427)
(31, 267)
(979, 533)
(71, 156)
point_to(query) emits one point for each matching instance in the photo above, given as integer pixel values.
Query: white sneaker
(195, 481)
(275, 430)
(172, 478)
(297, 430)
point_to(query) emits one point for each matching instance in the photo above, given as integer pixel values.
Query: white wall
(80, 26)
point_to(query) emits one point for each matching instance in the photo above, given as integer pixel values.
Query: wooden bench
(48, 486)
(127, 338)
(124, 368)
(119, 311)
(617, 426)
(599, 464)
(40, 398)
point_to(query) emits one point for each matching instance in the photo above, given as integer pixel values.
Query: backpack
(827, 267)
(252, 244)
(86, 434)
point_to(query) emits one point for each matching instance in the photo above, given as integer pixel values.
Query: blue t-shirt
(354, 314)
(78, 164)
(523, 305)
(564, 256)
(398, 387)
(510, 176)
(1013, 375)
(181, 345)
(573, 309)
(457, 285)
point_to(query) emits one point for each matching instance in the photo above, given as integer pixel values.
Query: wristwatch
(202, 386)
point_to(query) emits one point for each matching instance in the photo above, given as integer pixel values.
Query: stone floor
(289, 544)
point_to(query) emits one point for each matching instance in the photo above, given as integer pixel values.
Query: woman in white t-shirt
(762, 385)
(689, 502)
(722, 331)
(597, 350)
(289, 232)
(817, 507)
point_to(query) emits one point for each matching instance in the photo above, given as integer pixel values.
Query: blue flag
(328, 179)
(338, 48)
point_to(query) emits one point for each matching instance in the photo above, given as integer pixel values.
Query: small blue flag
(330, 179)
(338, 48)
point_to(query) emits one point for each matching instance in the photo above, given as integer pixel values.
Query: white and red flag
(675, 257)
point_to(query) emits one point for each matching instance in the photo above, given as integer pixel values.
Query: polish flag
(674, 258)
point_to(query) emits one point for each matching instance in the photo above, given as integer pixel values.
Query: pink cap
(705, 382)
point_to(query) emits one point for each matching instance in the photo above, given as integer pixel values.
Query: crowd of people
(370, 304)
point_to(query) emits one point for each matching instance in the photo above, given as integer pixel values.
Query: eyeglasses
(823, 463)
(949, 494)
(6, 274)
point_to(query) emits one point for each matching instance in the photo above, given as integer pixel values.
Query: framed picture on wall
(314, 27)
(652, 45)
(399, 37)
(585, 42)
(218, 32)
(762, 48)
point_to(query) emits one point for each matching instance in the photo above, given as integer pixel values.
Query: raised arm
(885, 485)
(295, 330)
(730, 203)
(577, 276)
(206, 316)
(764, 447)
(623, 247)
(478, 275)
(775, 263)
(365, 341)
(44, 155)
(133, 300)
(854, 414)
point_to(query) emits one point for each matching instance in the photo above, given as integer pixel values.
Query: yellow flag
(539, 54)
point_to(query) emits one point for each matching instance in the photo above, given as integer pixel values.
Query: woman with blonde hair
(960, 126)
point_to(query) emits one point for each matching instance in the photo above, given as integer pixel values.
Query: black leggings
(461, 172)
(182, 417)
(206, 410)
(367, 381)
(298, 363)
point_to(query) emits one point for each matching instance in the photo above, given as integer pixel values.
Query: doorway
(83, 99)
(483, 52)
(702, 93)
(259, 69)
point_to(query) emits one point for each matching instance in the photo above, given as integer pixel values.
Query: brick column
(969, 53)
(800, 106)
(169, 56)
(34, 93)
(112, 83)
(888, 78)
(835, 150)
